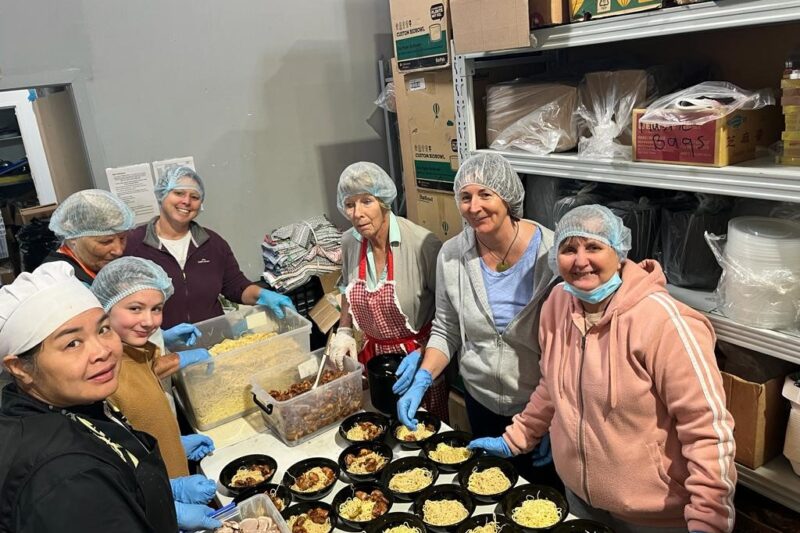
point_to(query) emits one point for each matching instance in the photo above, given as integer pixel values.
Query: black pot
(231, 468)
(377, 447)
(517, 495)
(381, 375)
(483, 463)
(503, 523)
(582, 526)
(444, 492)
(349, 492)
(297, 469)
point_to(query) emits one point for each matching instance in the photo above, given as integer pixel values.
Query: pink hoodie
(636, 409)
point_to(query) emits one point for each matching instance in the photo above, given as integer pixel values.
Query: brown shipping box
(421, 33)
(437, 211)
(595, 9)
(488, 25)
(40, 211)
(759, 413)
(725, 141)
(426, 120)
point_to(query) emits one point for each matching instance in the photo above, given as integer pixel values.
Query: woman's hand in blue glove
(190, 357)
(193, 517)
(193, 489)
(196, 446)
(275, 302)
(405, 372)
(181, 335)
(409, 402)
(494, 445)
(542, 455)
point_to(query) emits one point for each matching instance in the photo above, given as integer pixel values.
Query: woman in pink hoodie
(630, 391)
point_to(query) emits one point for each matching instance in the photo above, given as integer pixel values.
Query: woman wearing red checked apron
(389, 271)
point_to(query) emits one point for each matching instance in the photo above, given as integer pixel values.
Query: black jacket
(56, 476)
(79, 272)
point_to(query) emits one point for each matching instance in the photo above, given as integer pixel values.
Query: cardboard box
(438, 212)
(426, 120)
(760, 413)
(40, 211)
(487, 25)
(595, 9)
(327, 311)
(731, 139)
(421, 32)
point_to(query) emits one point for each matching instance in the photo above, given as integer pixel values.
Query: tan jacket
(141, 399)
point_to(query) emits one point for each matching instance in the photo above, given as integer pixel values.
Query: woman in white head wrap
(93, 226)
(491, 280)
(389, 271)
(69, 460)
(629, 385)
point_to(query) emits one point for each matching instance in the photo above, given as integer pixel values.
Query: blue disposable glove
(542, 455)
(193, 489)
(182, 334)
(192, 517)
(409, 402)
(405, 372)
(196, 446)
(494, 445)
(190, 357)
(275, 302)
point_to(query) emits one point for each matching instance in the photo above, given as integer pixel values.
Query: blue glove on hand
(196, 446)
(494, 445)
(275, 302)
(190, 357)
(195, 517)
(542, 455)
(405, 372)
(193, 489)
(182, 334)
(409, 402)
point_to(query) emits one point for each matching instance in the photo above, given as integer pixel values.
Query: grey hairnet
(91, 213)
(179, 178)
(593, 222)
(365, 178)
(493, 172)
(129, 275)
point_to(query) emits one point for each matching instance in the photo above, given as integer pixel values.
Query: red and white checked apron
(377, 313)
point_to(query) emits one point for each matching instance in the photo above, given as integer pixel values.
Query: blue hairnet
(493, 172)
(179, 178)
(365, 178)
(91, 213)
(129, 275)
(593, 222)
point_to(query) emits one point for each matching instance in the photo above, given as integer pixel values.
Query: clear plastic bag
(705, 102)
(761, 297)
(606, 103)
(386, 98)
(535, 117)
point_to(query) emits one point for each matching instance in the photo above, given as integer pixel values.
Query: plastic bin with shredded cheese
(245, 342)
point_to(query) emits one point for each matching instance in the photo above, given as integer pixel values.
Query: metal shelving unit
(761, 179)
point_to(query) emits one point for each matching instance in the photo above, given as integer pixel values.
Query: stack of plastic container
(761, 283)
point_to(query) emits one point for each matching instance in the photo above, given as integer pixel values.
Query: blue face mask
(598, 294)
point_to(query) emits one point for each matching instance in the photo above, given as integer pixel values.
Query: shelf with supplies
(776, 480)
(705, 16)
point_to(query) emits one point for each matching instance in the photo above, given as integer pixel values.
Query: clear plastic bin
(303, 417)
(253, 507)
(215, 393)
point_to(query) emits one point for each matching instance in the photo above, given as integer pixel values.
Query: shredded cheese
(411, 480)
(449, 455)
(488, 482)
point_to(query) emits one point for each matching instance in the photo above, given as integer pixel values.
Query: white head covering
(36, 304)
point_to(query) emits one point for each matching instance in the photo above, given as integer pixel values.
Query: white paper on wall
(134, 186)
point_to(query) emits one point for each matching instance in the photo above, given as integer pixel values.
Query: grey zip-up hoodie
(499, 371)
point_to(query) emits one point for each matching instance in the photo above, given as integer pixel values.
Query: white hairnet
(129, 275)
(36, 304)
(493, 172)
(593, 222)
(91, 213)
(179, 178)
(365, 178)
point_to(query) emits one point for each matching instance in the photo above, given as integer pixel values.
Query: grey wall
(272, 98)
